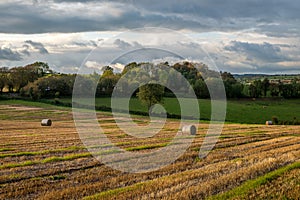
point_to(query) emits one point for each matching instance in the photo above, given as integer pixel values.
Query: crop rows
(52, 163)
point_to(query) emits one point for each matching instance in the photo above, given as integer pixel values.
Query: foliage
(275, 120)
(265, 86)
(18, 77)
(201, 89)
(37, 80)
(150, 94)
(255, 89)
(49, 87)
(3, 81)
(106, 83)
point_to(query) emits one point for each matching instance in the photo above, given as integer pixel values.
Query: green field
(238, 111)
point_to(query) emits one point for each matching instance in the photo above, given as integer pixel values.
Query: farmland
(253, 111)
(52, 163)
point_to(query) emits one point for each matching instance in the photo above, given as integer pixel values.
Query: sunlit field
(52, 163)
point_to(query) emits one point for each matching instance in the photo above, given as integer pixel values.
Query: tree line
(14, 79)
(264, 88)
(37, 81)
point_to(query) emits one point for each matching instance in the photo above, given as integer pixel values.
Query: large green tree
(107, 82)
(150, 94)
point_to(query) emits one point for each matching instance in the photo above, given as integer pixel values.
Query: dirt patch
(20, 108)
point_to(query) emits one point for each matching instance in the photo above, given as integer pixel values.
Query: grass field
(251, 161)
(238, 111)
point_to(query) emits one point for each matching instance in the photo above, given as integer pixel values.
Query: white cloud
(118, 67)
(96, 66)
(93, 65)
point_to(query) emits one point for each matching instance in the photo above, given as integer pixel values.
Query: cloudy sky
(250, 36)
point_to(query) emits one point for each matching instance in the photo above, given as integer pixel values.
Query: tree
(255, 90)
(215, 87)
(228, 77)
(232, 87)
(33, 91)
(129, 67)
(37, 70)
(2, 83)
(107, 82)
(18, 77)
(150, 94)
(295, 89)
(200, 89)
(3, 80)
(10, 82)
(286, 91)
(265, 86)
(237, 90)
(188, 70)
(85, 86)
(106, 85)
(51, 86)
(274, 90)
(107, 71)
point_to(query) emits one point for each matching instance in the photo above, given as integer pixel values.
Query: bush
(57, 94)
(275, 120)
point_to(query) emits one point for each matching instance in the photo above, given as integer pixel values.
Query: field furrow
(52, 162)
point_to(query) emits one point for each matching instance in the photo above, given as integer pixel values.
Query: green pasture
(237, 111)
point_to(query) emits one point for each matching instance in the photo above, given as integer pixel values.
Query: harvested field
(52, 163)
(286, 186)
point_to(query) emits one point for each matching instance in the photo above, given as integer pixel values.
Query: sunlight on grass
(242, 191)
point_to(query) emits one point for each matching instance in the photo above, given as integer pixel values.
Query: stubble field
(52, 163)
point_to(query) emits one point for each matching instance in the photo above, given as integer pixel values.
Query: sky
(250, 36)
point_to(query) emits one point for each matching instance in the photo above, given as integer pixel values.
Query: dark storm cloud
(263, 52)
(262, 11)
(28, 19)
(125, 45)
(87, 44)
(196, 15)
(265, 19)
(130, 19)
(77, 1)
(8, 54)
(122, 44)
(38, 46)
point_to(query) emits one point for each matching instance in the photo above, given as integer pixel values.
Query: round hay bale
(269, 123)
(46, 122)
(189, 129)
